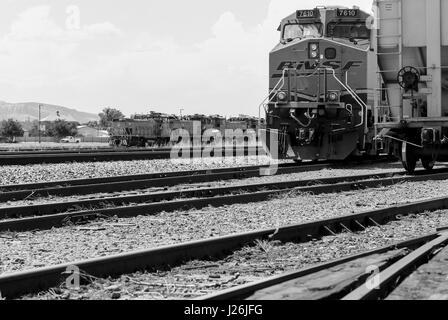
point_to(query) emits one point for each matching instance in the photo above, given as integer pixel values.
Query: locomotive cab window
(348, 30)
(294, 31)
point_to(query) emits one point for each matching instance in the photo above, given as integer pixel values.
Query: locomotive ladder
(398, 53)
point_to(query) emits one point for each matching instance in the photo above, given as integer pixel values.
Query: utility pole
(181, 113)
(39, 124)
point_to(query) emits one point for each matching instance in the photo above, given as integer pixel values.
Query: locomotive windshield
(293, 31)
(348, 30)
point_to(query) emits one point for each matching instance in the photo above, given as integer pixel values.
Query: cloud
(102, 29)
(37, 52)
(35, 24)
(225, 74)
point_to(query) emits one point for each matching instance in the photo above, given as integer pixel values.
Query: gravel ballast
(264, 259)
(20, 251)
(311, 175)
(79, 170)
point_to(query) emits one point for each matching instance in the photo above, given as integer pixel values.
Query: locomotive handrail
(354, 96)
(291, 114)
(281, 83)
(270, 95)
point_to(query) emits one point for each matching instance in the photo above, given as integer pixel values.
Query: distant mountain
(30, 111)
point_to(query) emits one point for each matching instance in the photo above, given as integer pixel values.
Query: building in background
(86, 131)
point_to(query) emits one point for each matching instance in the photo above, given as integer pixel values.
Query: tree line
(60, 128)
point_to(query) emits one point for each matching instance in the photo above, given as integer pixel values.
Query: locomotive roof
(294, 17)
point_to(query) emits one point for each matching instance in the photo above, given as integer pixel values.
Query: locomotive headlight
(333, 96)
(313, 50)
(281, 96)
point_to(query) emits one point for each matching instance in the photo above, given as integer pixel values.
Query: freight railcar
(148, 131)
(412, 50)
(157, 129)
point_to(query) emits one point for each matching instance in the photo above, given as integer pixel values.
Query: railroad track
(24, 158)
(127, 182)
(14, 285)
(130, 182)
(57, 214)
(349, 278)
(85, 150)
(56, 151)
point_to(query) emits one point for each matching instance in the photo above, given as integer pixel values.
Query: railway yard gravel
(50, 146)
(251, 263)
(14, 174)
(311, 175)
(25, 250)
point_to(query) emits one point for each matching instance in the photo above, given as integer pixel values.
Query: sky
(202, 56)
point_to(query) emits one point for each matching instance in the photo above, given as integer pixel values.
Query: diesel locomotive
(320, 105)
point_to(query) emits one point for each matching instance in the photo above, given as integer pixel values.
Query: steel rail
(23, 159)
(122, 183)
(86, 181)
(19, 283)
(83, 150)
(400, 269)
(127, 182)
(46, 216)
(243, 291)
(106, 150)
(53, 207)
(88, 150)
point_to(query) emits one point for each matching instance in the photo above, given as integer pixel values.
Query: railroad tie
(329, 230)
(359, 224)
(345, 228)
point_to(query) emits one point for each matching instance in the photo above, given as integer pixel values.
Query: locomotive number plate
(305, 14)
(348, 12)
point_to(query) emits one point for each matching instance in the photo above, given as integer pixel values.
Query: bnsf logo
(311, 65)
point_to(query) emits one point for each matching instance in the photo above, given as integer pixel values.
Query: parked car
(70, 140)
